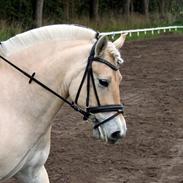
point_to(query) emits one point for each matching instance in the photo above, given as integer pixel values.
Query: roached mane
(52, 32)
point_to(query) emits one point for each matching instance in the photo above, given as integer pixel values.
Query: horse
(75, 64)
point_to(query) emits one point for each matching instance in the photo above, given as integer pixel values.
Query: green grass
(8, 30)
(105, 24)
(149, 35)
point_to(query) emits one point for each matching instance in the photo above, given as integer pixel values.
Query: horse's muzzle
(112, 130)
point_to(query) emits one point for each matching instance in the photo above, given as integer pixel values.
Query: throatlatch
(88, 74)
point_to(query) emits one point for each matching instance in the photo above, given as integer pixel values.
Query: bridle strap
(105, 108)
(106, 120)
(88, 66)
(103, 61)
(81, 84)
(88, 86)
(94, 88)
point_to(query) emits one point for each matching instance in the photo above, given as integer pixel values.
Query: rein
(32, 78)
(88, 74)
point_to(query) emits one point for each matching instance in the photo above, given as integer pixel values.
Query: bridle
(88, 75)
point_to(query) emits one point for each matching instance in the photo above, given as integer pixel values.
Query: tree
(93, 10)
(66, 9)
(162, 8)
(146, 8)
(127, 8)
(38, 17)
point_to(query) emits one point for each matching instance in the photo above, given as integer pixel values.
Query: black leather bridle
(88, 74)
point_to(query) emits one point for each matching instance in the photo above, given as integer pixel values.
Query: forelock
(111, 49)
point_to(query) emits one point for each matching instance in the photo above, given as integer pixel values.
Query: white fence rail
(137, 31)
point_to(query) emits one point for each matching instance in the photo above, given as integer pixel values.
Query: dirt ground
(152, 151)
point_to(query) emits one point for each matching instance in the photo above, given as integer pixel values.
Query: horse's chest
(39, 153)
(34, 158)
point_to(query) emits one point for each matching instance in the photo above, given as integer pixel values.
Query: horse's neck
(55, 64)
(27, 109)
(53, 60)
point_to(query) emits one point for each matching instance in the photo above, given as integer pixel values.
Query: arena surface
(152, 152)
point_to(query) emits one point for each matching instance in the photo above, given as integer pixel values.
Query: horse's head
(99, 90)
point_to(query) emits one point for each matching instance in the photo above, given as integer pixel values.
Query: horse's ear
(101, 45)
(120, 41)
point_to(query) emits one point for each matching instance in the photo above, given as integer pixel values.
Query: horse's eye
(104, 82)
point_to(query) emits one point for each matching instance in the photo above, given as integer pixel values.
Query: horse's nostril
(116, 135)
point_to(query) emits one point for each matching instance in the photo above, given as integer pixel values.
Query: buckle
(31, 78)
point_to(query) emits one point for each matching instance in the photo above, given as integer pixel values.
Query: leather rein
(88, 74)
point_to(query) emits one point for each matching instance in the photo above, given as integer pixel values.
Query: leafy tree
(30, 12)
(39, 13)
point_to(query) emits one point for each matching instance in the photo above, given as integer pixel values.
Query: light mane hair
(46, 33)
(115, 53)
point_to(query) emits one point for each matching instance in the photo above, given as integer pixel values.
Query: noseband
(88, 74)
